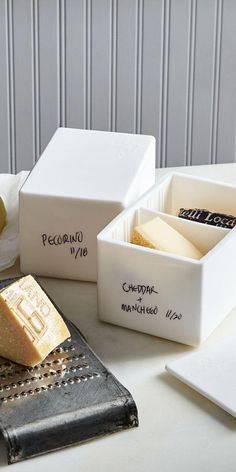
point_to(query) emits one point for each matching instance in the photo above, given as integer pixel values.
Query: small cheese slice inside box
(80, 183)
(30, 325)
(157, 234)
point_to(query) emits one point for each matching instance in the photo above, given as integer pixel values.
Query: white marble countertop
(179, 429)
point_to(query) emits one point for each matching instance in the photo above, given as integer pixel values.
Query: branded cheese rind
(3, 214)
(157, 234)
(30, 325)
(208, 217)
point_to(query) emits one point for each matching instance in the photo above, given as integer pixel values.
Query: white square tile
(212, 372)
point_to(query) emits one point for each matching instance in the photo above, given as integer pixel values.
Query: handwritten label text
(74, 240)
(143, 289)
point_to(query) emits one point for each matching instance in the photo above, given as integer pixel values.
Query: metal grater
(69, 398)
(60, 368)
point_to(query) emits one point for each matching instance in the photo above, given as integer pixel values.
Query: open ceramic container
(160, 293)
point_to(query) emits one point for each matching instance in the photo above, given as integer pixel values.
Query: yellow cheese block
(157, 234)
(30, 326)
(3, 214)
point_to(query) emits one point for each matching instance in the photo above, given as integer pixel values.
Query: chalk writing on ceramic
(79, 252)
(141, 309)
(143, 289)
(58, 239)
(74, 240)
(172, 315)
(139, 292)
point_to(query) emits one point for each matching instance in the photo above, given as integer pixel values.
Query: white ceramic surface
(211, 372)
(82, 180)
(163, 294)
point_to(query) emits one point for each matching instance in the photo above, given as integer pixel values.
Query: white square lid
(94, 165)
(211, 372)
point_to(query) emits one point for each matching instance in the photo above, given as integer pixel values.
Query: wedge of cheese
(30, 325)
(3, 214)
(157, 234)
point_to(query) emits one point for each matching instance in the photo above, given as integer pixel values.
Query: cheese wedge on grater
(30, 325)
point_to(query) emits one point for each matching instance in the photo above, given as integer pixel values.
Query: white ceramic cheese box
(160, 293)
(82, 180)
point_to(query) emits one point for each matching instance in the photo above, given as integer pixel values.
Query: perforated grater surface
(67, 399)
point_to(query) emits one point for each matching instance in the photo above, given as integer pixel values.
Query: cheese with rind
(30, 325)
(157, 234)
(3, 214)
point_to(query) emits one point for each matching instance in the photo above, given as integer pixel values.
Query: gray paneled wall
(162, 67)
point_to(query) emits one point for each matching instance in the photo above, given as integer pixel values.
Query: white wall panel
(152, 82)
(177, 44)
(5, 106)
(75, 90)
(75, 87)
(163, 67)
(23, 84)
(50, 83)
(200, 135)
(100, 66)
(225, 150)
(126, 57)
